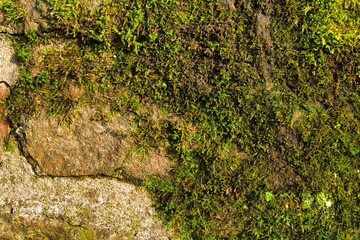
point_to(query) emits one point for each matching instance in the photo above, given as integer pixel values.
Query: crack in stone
(131, 180)
(12, 34)
(124, 177)
(22, 34)
(7, 84)
(66, 207)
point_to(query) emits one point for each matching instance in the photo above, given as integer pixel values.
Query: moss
(85, 234)
(15, 12)
(10, 144)
(245, 117)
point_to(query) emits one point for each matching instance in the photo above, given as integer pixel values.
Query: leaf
(269, 197)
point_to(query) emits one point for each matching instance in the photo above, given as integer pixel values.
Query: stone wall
(76, 181)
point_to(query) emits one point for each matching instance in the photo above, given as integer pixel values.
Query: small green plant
(9, 145)
(15, 13)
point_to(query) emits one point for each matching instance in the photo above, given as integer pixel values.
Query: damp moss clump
(258, 103)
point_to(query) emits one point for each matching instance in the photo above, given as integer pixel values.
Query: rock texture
(73, 188)
(88, 148)
(33, 207)
(4, 126)
(78, 182)
(8, 68)
(8, 77)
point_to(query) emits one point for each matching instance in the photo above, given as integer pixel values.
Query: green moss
(85, 234)
(265, 133)
(10, 144)
(14, 11)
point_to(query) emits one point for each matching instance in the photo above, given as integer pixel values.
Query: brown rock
(36, 15)
(4, 129)
(4, 126)
(93, 5)
(4, 92)
(88, 148)
(263, 29)
(230, 4)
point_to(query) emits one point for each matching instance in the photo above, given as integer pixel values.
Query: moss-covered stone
(256, 101)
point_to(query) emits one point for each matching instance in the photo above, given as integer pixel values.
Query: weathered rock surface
(4, 92)
(8, 68)
(4, 126)
(33, 207)
(8, 75)
(88, 148)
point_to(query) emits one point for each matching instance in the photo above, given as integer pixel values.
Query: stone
(4, 125)
(263, 28)
(33, 207)
(230, 4)
(88, 148)
(4, 92)
(93, 5)
(4, 130)
(9, 71)
(37, 15)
